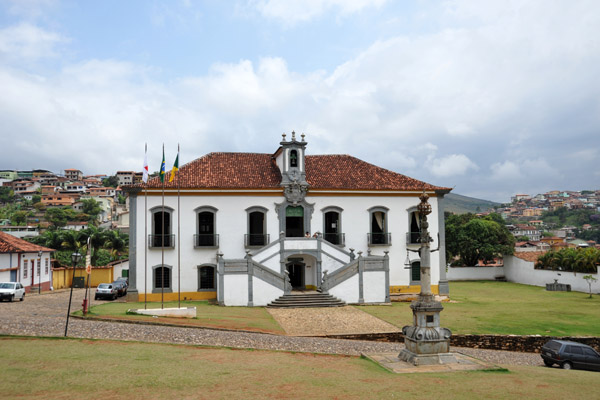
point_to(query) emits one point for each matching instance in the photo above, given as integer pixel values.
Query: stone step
(306, 300)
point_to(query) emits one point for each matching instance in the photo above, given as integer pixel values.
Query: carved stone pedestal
(426, 343)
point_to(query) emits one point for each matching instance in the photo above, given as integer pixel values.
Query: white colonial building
(28, 263)
(247, 228)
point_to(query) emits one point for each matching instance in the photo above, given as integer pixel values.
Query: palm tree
(116, 242)
(96, 240)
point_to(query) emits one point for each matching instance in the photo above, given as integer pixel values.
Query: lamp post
(75, 258)
(40, 272)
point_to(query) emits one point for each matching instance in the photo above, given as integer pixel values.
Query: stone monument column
(425, 341)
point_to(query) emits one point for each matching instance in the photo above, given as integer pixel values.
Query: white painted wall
(347, 290)
(374, 286)
(520, 271)
(26, 264)
(118, 269)
(474, 273)
(231, 225)
(235, 292)
(263, 293)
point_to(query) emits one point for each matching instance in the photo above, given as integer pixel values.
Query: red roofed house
(28, 263)
(257, 226)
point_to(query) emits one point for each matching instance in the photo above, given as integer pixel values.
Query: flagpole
(162, 269)
(145, 178)
(178, 235)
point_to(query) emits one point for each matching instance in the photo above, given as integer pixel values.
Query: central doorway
(295, 269)
(294, 221)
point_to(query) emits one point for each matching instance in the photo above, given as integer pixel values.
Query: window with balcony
(257, 227)
(206, 235)
(414, 234)
(161, 228)
(379, 234)
(332, 225)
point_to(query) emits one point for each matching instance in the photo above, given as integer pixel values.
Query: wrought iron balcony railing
(256, 239)
(206, 240)
(380, 239)
(335, 238)
(160, 241)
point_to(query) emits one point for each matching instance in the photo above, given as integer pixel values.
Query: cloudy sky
(492, 98)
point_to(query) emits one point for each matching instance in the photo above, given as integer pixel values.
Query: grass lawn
(507, 308)
(75, 368)
(255, 319)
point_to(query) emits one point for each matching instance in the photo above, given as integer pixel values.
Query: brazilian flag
(162, 167)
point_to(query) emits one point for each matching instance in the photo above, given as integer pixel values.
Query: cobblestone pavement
(45, 315)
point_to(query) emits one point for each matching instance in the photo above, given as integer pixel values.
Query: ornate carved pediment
(295, 192)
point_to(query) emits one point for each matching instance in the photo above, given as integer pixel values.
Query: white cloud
(515, 83)
(291, 12)
(506, 171)
(451, 165)
(28, 42)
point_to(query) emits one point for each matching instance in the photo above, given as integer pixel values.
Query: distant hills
(458, 204)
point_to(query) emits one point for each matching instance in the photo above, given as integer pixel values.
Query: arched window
(379, 226)
(161, 278)
(257, 227)
(332, 225)
(161, 228)
(206, 277)
(206, 235)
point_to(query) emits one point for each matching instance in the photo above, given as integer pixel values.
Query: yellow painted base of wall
(311, 287)
(175, 296)
(411, 289)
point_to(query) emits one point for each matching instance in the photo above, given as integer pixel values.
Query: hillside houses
(524, 206)
(63, 190)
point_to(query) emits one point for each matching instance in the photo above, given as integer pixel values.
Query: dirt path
(328, 321)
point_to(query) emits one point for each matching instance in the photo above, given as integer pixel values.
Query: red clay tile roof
(11, 244)
(531, 256)
(259, 171)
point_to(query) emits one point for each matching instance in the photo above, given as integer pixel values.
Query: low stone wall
(524, 344)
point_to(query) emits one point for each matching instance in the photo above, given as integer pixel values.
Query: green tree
(57, 217)
(19, 218)
(117, 243)
(522, 238)
(92, 208)
(470, 239)
(590, 279)
(36, 198)
(6, 194)
(111, 181)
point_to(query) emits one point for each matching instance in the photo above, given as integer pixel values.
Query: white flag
(145, 171)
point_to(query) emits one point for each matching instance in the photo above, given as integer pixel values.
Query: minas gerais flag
(175, 166)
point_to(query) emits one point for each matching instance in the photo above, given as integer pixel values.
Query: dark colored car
(121, 288)
(570, 355)
(124, 280)
(106, 291)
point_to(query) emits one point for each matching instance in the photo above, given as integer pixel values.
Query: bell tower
(293, 172)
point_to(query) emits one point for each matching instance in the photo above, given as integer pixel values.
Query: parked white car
(11, 291)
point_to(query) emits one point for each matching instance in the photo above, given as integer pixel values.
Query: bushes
(584, 260)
